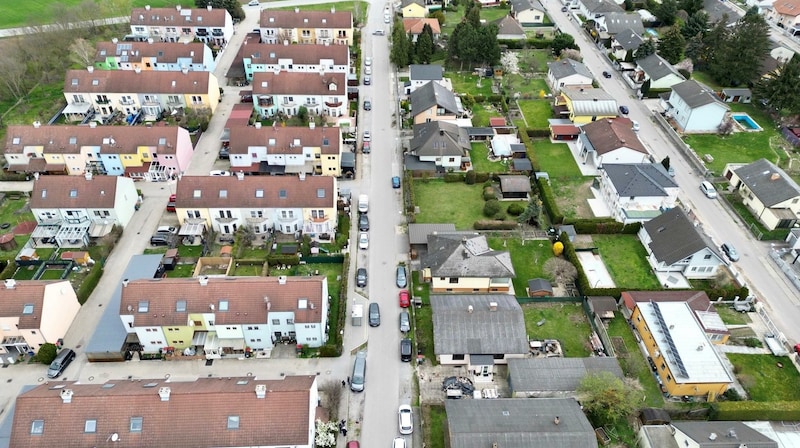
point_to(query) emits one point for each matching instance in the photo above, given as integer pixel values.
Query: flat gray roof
(556, 374)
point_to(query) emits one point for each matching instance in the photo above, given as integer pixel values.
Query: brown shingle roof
(787, 7)
(70, 139)
(245, 296)
(74, 192)
(415, 25)
(196, 414)
(305, 19)
(163, 51)
(13, 301)
(128, 81)
(256, 192)
(179, 18)
(281, 140)
(299, 83)
(697, 300)
(609, 134)
(299, 54)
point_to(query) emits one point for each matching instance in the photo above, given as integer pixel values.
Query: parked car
(367, 136)
(405, 322)
(61, 361)
(363, 240)
(379, 32)
(671, 171)
(367, 105)
(366, 147)
(224, 153)
(623, 110)
(253, 3)
(405, 419)
(363, 222)
(563, 9)
(367, 80)
(708, 189)
(730, 251)
(606, 75)
(405, 350)
(399, 442)
(171, 203)
(401, 278)
(167, 229)
(368, 61)
(361, 277)
(161, 239)
(367, 70)
(403, 299)
(396, 182)
(374, 315)
(635, 125)
(219, 173)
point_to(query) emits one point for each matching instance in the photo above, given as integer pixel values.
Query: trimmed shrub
(276, 259)
(9, 269)
(537, 132)
(481, 177)
(489, 194)
(47, 353)
(469, 178)
(491, 208)
(754, 410)
(89, 283)
(454, 177)
(494, 225)
(549, 202)
(515, 209)
(330, 351)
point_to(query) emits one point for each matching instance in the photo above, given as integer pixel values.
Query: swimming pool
(746, 122)
(651, 32)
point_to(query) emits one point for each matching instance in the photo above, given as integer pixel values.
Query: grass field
(632, 362)
(436, 419)
(481, 113)
(463, 207)
(17, 14)
(528, 259)
(555, 159)
(563, 321)
(626, 261)
(468, 83)
(536, 113)
(730, 316)
(763, 379)
(480, 162)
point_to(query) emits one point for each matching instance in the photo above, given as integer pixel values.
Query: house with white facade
(151, 55)
(769, 193)
(611, 140)
(785, 14)
(625, 42)
(593, 9)
(637, 192)
(421, 74)
(568, 73)
(256, 57)
(463, 262)
(695, 108)
(285, 92)
(528, 13)
(210, 26)
(654, 68)
(306, 27)
(442, 143)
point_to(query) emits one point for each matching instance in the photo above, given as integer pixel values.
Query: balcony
(174, 102)
(217, 33)
(151, 102)
(201, 32)
(288, 104)
(319, 219)
(266, 101)
(128, 102)
(333, 104)
(102, 101)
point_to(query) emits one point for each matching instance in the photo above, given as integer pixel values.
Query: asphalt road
(767, 283)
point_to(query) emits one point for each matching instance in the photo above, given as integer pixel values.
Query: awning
(100, 228)
(192, 227)
(77, 108)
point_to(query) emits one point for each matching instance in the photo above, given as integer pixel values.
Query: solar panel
(670, 342)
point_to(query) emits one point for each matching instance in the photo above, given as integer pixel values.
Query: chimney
(147, 7)
(90, 69)
(209, 7)
(203, 280)
(149, 41)
(11, 283)
(164, 392)
(240, 175)
(469, 309)
(333, 9)
(137, 69)
(258, 125)
(556, 420)
(191, 53)
(114, 40)
(282, 280)
(92, 124)
(311, 124)
(178, 7)
(125, 282)
(285, 42)
(302, 176)
(296, 9)
(774, 177)
(184, 70)
(66, 396)
(261, 391)
(87, 175)
(492, 306)
(37, 124)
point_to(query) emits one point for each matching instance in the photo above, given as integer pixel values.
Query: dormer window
(144, 306)
(197, 193)
(73, 193)
(332, 86)
(223, 305)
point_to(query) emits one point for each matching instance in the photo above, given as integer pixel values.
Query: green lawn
(706, 79)
(754, 225)
(423, 318)
(436, 421)
(16, 14)
(480, 162)
(555, 159)
(626, 261)
(453, 18)
(536, 113)
(25, 273)
(527, 259)
(463, 207)
(247, 270)
(730, 316)
(51, 274)
(563, 321)
(10, 212)
(632, 362)
(481, 112)
(464, 82)
(531, 88)
(534, 60)
(764, 380)
(182, 271)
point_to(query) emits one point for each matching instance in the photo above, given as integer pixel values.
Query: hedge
(89, 283)
(9, 269)
(454, 177)
(602, 226)
(494, 225)
(755, 410)
(654, 93)
(538, 132)
(549, 201)
(276, 259)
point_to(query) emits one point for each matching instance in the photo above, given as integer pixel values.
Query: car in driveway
(400, 277)
(161, 239)
(363, 240)
(403, 299)
(224, 153)
(708, 189)
(361, 277)
(730, 252)
(171, 203)
(606, 75)
(405, 350)
(623, 110)
(405, 419)
(363, 222)
(396, 182)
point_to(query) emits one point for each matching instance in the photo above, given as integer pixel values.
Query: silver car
(405, 322)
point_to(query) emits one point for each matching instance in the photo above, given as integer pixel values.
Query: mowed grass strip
(764, 379)
(626, 261)
(14, 14)
(443, 202)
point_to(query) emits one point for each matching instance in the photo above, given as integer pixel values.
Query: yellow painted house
(414, 9)
(306, 27)
(583, 105)
(686, 362)
(463, 263)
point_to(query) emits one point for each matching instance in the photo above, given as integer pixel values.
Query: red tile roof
(129, 81)
(163, 51)
(609, 134)
(697, 300)
(309, 54)
(282, 140)
(305, 19)
(13, 300)
(70, 139)
(179, 17)
(245, 295)
(256, 192)
(287, 83)
(74, 192)
(415, 25)
(196, 413)
(787, 7)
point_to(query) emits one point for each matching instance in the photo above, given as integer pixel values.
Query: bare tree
(82, 52)
(13, 75)
(560, 270)
(569, 53)
(332, 391)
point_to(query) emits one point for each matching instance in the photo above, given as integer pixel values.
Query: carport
(193, 227)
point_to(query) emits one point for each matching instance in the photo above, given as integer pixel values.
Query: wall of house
(125, 200)
(59, 308)
(462, 285)
(280, 322)
(151, 339)
(414, 10)
(703, 264)
(701, 119)
(666, 82)
(230, 335)
(622, 155)
(309, 334)
(258, 336)
(183, 150)
(425, 116)
(530, 17)
(179, 337)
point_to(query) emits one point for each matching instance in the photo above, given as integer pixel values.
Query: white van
(363, 203)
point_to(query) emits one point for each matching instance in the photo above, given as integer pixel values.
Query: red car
(171, 203)
(404, 301)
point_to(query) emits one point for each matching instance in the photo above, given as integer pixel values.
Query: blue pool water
(746, 122)
(651, 32)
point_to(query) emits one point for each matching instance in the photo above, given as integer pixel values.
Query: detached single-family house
(478, 331)
(528, 13)
(675, 245)
(637, 192)
(509, 29)
(593, 9)
(568, 73)
(70, 209)
(713, 434)
(255, 57)
(515, 187)
(704, 313)
(625, 42)
(433, 102)
(246, 411)
(421, 74)
(660, 73)
(463, 262)
(785, 14)
(695, 108)
(210, 26)
(418, 236)
(584, 105)
(555, 377)
(160, 56)
(510, 422)
(613, 23)
(611, 140)
(35, 312)
(306, 27)
(415, 26)
(283, 204)
(771, 195)
(445, 144)
(414, 9)
(320, 93)
(225, 316)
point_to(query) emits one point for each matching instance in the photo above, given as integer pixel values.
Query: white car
(368, 61)
(367, 136)
(253, 3)
(405, 419)
(363, 240)
(219, 173)
(367, 70)
(399, 442)
(635, 125)
(708, 189)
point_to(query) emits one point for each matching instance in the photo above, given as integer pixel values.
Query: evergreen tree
(738, 59)
(563, 41)
(667, 12)
(780, 87)
(424, 48)
(696, 23)
(398, 54)
(672, 45)
(647, 48)
(473, 14)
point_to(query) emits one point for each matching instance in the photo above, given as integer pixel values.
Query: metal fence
(682, 147)
(777, 257)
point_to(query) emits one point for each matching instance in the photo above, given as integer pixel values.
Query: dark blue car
(396, 182)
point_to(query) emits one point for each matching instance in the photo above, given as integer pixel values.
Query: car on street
(367, 80)
(361, 277)
(374, 315)
(363, 240)
(405, 322)
(367, 105)
(396, 182)
(253, 3)
(606, 75)
(402, 298)
(405, 420)
(563, 9)
(730, 251)
(623, 110)
(379, 32)
(219, 173)
(171, 203)
(366, 148)
(368, 61)
(399, 442)
(367, 70)
(401, 278)
(708, 189)
(405, 350)
(363, 222)
(367, 136)
(635, 125)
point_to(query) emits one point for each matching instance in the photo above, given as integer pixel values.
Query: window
(458, 357)
(136, 424)
(73, 193)
(223, 193)
(289, 321)
(453, 280)
(259, 193)
(707, 257)
(180, 306)
(27, 308)
(256, 214)
(197, 193)
(282, 194)
(223, 305)
(320, 192)
(233, 422)
(144, 306)
(276, 321)
(37, 427)
(90, 426)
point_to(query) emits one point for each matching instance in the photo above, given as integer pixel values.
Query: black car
(606, 75)
(624, 110)
(224, 153)
(374, 315)
(363, 222)
(361, 277)
(405, 350)
(161, 239)
(367, 105)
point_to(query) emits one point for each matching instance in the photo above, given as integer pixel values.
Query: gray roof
(518, 423)
(515, 183)
(508, 26)
(628, 39)
(728, 434)
(656, 67)
(639, 179)
(465, 255)
(695, 94)
(480, 131)
(770, 184)
(524, 5)
(439, 138)
(674, 237)
(717, 10)
(425, 72)
(521, 164)
(568, 67)
(109, 334)
(418, 233)
(348, 159)
(619, 21)
(456, 330)
(732, 91)
(556, 374)
(591, 101)
(433, 94)
(408, 2)
(660, 436)
(540, 284)
(601, 6)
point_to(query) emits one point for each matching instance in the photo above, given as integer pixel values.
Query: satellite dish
(114, 437)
